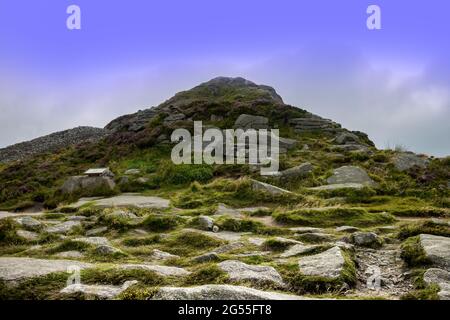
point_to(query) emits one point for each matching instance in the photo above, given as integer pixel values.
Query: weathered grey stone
(351, 147)
(314, 237)
(70, 255)
(132, 172)
(223, 209)
(437, 249)
(300, 230)
(165, 271)
(51, 143)
(14, 269)
(441, 222)
(28, 235)
(96, 231)
(229, 247)
(261, 186)
(105, 292)
(95, 241)
(29, 223)
(328, 264)
(142, 180)
(441, 278)
(224, 235)
(297, 249)
(132, 122)
(215, 117)
(366, 239)
(207, 257)
(161, 255)
(239, 271)
(348, 229)
(205, 222)
(246, 121)
(131, 200)
(287, 241)
(220, 292)
(346, 137)
(407, 160)
(295, 173)
(253, 209)
(350, 174)
(64, 227)
(107, 250)
(87, 184)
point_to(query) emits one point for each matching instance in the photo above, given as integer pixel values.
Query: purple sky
(392, 83)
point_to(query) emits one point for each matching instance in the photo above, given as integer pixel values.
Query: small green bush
(8, 232)
(413, 253)
(332, 217)
(427, 227)
(275, 245)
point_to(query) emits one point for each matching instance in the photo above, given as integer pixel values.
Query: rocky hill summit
(220, 91)
(51, 143)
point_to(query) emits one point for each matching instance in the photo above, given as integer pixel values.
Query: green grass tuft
(332, 217)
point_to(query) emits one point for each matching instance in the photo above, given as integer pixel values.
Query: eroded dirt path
(384, 270)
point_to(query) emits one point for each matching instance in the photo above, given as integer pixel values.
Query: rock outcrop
(51, 143)
(86, 184)
(440, 278)
(350, 174)
(328, 264)
(313, 123)
(104, 292)
(239, 271)
(15, 269)
(437, 250)
(407, 160)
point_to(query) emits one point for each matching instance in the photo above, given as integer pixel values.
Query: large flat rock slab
(105, 292)
(328, 264)
(350, 174)
(128, 200)
(63, 227)
(221, 292)
(14, 269)
(441, 278)
(437, 249)
(239, 271)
